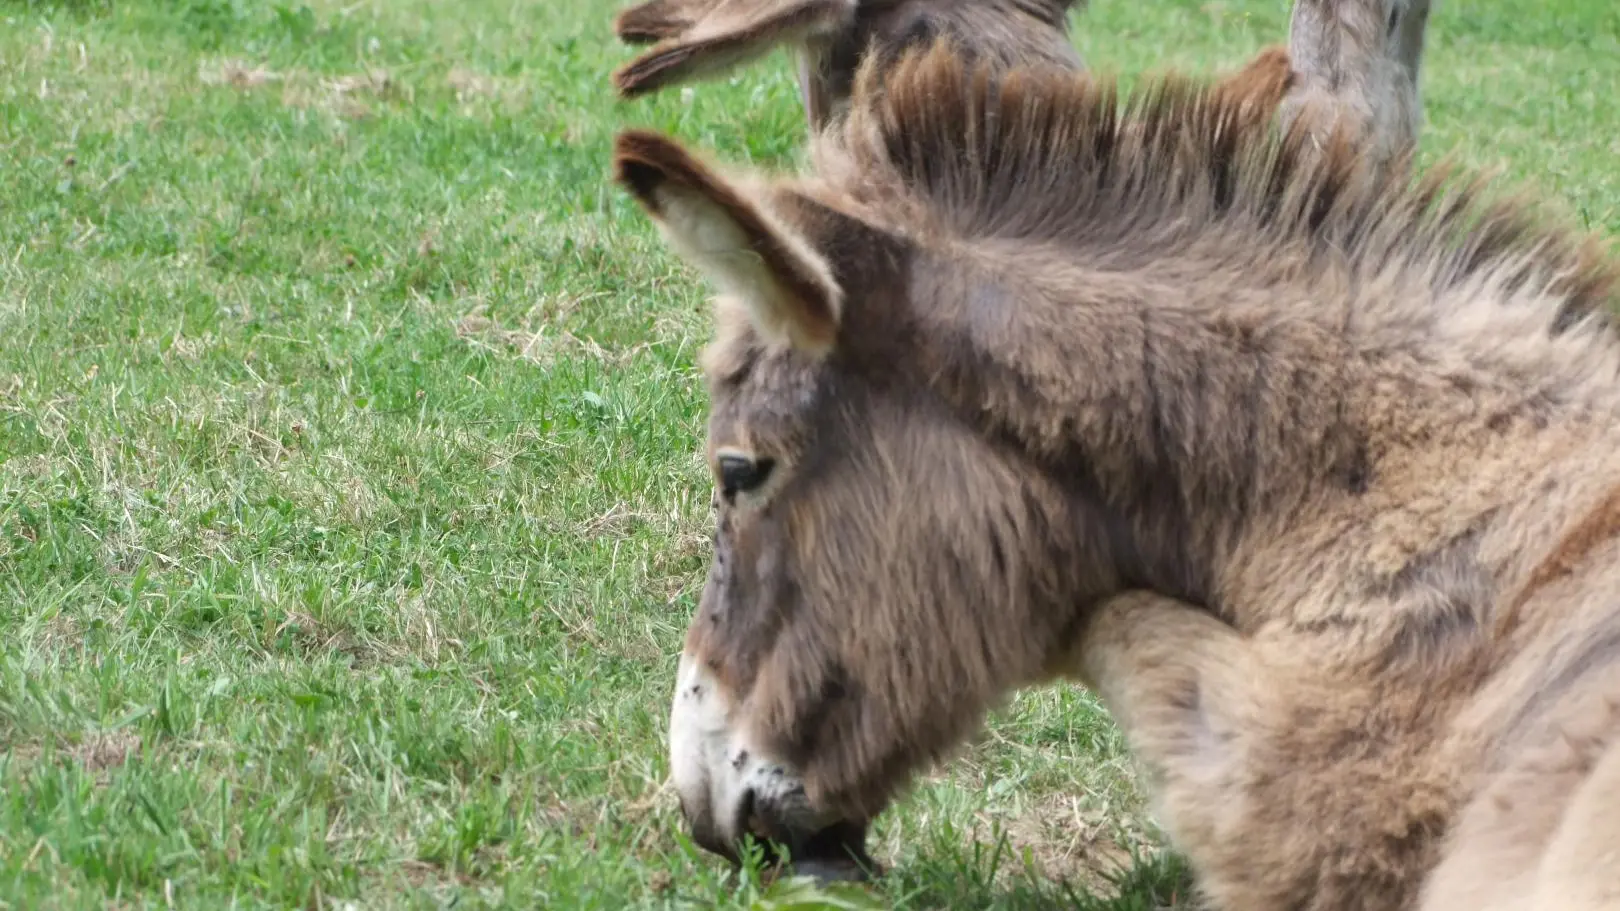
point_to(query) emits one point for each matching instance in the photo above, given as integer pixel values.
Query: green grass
(350, 502)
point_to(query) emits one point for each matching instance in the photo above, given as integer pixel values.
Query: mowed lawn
(351, 506)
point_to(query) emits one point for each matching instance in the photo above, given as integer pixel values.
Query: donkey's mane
(1059, 159)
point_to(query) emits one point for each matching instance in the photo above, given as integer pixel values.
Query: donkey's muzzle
(730, 789)
(835, 853)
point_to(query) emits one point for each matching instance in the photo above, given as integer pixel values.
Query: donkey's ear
(736, 241)
(724, 36)
(1259, 87)
(658, 20)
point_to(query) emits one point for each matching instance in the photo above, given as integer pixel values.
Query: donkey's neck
(1187, 424)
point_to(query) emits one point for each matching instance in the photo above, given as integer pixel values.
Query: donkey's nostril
(754, 817)
(746, 817)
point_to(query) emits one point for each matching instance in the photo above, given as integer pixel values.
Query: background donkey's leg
(1358, 65)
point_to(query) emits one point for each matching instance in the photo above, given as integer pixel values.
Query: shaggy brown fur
(1260, 446)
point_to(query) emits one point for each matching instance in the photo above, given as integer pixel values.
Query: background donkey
(1312, 475)
(1353, 63)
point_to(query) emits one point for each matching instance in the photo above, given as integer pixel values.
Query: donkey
(1313, 476)
(1355, 62)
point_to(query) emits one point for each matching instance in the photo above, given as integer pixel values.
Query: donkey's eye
(740, 474)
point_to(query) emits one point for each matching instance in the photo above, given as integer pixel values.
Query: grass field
(350, 501)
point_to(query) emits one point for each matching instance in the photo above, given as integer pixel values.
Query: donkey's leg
(1289, 784)
(1180, 685)
(1358, 65)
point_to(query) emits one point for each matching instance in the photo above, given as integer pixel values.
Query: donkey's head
(904, 534)
(698, 39)
(882, 573)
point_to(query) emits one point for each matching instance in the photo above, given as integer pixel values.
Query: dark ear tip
(623, 82)
(630, 81)
(639, 158)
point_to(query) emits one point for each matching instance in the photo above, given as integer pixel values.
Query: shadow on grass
(982, 880)
(984, 877)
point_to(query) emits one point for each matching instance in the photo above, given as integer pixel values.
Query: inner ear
(735, 239)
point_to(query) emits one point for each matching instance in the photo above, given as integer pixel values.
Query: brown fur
(1254, 441)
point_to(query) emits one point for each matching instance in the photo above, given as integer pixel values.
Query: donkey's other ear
(729, 34)
(1259, 87)
(736, 241)
(658, 20)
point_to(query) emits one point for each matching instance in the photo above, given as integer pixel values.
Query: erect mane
(1064, 159)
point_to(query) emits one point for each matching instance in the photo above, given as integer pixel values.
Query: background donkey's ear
(736, 241)
(1259, 87)
(728, 34)
(658, 20)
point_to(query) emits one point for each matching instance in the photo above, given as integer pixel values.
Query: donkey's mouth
(836, 853)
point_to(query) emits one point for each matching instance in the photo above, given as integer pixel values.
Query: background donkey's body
(1356, 445)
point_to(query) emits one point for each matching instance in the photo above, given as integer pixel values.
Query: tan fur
(1259, 442)
(1599, 526)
